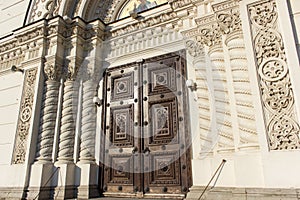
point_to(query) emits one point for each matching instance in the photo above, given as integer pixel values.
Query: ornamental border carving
(25, 115)
(275, 84)
(164, 17)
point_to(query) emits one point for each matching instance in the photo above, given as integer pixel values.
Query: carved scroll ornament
(275, 84)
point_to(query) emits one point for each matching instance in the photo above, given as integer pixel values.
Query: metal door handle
(146, 150)
(135, 149)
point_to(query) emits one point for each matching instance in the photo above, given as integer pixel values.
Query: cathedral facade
(165, 99)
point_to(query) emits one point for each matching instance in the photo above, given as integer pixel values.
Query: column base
(41, 181)
(65, 181)
(88, 183)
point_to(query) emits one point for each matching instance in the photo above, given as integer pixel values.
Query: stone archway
(87, 10)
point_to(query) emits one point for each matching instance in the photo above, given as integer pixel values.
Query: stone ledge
(40, 193)
(86, 192)
(232, 193)
(12, 193)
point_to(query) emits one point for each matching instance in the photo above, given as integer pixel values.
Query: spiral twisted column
(88, 124)
(222, 102)
(242, 91)
(204, 102)
(48, 121)
(230, 25)
(67, 132)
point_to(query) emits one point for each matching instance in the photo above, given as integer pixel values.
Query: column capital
(228, 16)
(209, 31)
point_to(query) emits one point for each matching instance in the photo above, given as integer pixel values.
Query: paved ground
(121, 198)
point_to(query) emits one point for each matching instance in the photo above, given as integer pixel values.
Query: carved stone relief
(229, 20)
(209, 31)
(275, 84)
(175, 4)
(24, 117)
(194, 49)
(44, 9)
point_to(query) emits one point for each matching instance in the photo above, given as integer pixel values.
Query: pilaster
(91, 74)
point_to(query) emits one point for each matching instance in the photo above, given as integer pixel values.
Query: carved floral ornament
(24, 117)
(276, 88)
(229, 21)
(51, 71)
(211, 28)
(194, 48)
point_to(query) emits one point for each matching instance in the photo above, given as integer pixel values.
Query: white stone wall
(12, 14)
(10, 92)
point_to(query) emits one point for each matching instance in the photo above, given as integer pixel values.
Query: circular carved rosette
(273, 69)
(26, 114)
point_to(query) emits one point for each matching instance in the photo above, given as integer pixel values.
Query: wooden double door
(146, 134)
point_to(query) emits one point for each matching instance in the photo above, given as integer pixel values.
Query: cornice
(206, 20)
(176, 4)
(225, 5)
(144, 23)
(190, 33)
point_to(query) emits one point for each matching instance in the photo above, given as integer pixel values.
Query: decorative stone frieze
(175, 4)
(104, 10)
(22, 47)
(275, 84)
(23, 127)
(141, 40)
(141, 24)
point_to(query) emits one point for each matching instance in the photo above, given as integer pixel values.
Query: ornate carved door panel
(146, 147)
(122, 130)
